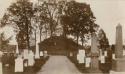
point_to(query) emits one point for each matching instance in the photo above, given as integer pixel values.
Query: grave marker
(87, 62)
(19, 64)
(118, 64)
(1, 69)
(94, 55)
(31, 59)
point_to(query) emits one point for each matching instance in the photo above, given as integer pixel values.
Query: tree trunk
(82, 42)
(77, 40)
(40, 34)
(35, 36)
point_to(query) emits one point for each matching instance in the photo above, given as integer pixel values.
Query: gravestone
(118, 64)
(105, 53)
(25, 54)
(31, 60)
(17, 49)
(1, 69)
(70, 54)
(45, 54)
(102, 59)
(123, 52)
(19, 64)
(41, 53)
(37, 55)
(94, 55)
(113, 56)
(81, 56)
(87, 62)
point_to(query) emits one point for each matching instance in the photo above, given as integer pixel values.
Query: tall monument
(119, 42)
(94, 55)
(118, 64)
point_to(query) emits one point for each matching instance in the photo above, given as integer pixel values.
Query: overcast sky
(108, 14)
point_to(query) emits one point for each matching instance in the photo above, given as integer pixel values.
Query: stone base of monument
(114, 72)
(118, 65)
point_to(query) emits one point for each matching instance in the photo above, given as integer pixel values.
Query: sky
(108, 13)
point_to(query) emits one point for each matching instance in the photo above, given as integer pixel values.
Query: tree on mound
(78, 20)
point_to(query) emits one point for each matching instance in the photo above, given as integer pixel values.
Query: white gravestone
(102, 59)
(105, 53)
(17, 49)
(45, 54)
(31, 59)
(87, 62)
(113, 56)
(25, 54)
(100, 51)
(71, 54)
(37, 55)
(26, 64)
(19, 64)
(123, 52)
(81, 56)
(41, 53)
(1, 70)
(80, 59)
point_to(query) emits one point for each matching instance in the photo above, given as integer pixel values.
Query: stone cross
(119, 42)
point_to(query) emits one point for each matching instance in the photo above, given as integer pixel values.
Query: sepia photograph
(62, 36)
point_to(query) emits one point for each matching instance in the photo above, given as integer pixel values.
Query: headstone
(105, 53)
(70, 54)
(41, 53)
(123, 52)
(100, 51)
(113, 56)
(25, 54)
(87, 62)
(45, 54)
(81, 59)
(102, 59)
(17, 49)
(37, 55)
(19, 64)
(81, 56)
(31, 59)
(26, 64)
(1, 69)
(118, 64)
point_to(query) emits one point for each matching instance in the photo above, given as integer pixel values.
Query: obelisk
(119, 42)
(118, 64)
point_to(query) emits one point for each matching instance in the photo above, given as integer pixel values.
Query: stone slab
(118, 65)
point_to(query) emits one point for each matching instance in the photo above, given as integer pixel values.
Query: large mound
(59, 43)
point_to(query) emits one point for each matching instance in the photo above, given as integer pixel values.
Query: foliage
(103, 40)
(20, 14)
(78, 19)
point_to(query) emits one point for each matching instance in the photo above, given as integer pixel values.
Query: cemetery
(58, 37)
